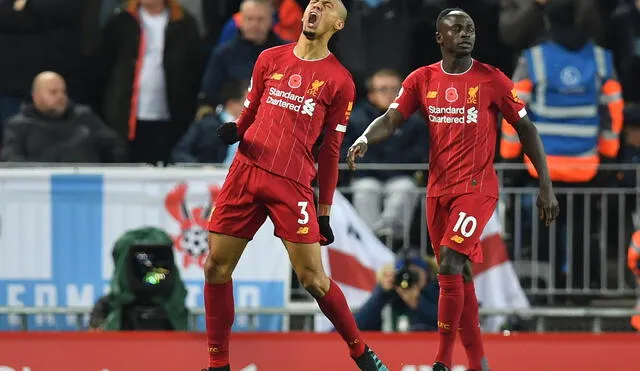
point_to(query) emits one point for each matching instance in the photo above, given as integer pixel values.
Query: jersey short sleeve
(506, 98)
(408, 99)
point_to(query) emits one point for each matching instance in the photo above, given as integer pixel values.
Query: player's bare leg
(224, 254)
(307, 263)
(470, 334)
(450, 304)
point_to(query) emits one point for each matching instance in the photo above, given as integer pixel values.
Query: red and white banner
(353, 259)
(496, 281)
(46, 351)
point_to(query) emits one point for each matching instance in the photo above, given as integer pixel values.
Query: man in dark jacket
(395, 190)
(53, 130)
(201, 143)
(624, 41)
(234, 60)
(149, 67)
(37, 35)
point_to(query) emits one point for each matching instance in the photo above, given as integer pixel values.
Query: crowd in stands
(149, 81)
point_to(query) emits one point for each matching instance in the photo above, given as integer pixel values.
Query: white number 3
(466, 224)
(303, 212)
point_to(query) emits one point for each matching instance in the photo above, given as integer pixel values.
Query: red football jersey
(462, 113)
(290, 103)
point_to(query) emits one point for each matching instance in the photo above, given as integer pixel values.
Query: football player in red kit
(460, 99)
(298, 94)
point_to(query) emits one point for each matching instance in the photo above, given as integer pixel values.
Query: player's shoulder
(340, 72)
(277, 50)
(485, 68)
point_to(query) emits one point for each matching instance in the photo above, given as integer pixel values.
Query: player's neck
(456, 65)
(311, 49)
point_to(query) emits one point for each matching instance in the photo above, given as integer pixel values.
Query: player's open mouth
(313, 18)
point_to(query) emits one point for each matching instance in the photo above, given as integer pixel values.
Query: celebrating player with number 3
(298, 93)
(461, 99)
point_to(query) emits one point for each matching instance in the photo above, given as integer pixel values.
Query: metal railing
(585, 255)
(308, 310)
(582, 253)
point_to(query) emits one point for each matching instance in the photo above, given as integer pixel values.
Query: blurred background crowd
(149, 81)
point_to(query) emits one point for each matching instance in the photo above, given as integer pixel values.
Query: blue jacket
(424, 318)
(233, 60)
(409, 144)
(201, 143)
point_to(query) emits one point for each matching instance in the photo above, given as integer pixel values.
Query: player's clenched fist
(548, 206)
(357, 150)
(325, 230)
(228, 132)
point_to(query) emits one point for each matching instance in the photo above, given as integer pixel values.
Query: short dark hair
(445, 13)
(561, 12)
(233, 90)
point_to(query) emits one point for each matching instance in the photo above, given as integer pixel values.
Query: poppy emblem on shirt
(451, 94)
(295, 81)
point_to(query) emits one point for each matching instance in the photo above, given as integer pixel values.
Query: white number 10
(303, 212)
(465, 224)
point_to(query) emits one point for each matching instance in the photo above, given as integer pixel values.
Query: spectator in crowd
(37, 35)
(216, 14)
(379, 34)
(633, 263)
(201, 143)
(395, 190)
(522, 22)
(154, 47)
(624, 40)
(286, 19)
(234, 60)
(630, 146)
(410, 288)
(579, 125)
(52, 129)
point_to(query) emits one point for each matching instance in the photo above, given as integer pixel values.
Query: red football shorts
(250, 194)
(457, 221)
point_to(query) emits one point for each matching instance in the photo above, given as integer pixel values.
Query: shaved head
(342, 11)
(49, 94)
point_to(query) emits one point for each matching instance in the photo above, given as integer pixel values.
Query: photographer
(412, 293)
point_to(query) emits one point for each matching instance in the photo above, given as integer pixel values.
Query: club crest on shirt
(514, 94)
(451, 94)
(315, 86)
(295, 81)
(472, 95)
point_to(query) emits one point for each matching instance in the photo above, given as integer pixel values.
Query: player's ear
(339, 25)
(438, 38)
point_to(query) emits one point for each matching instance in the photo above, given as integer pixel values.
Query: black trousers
(153, 142)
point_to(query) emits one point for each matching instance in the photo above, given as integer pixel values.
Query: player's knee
(451, 261)
(316, 283)
(216, 271)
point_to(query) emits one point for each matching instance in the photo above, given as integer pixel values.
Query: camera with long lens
(406, 278)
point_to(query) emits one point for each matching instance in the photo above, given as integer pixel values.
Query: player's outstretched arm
(534, 149)
(380, 129)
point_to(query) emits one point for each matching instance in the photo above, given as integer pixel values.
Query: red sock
(449, 312)
(470, 334)
(220, 313)
(334, 306)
